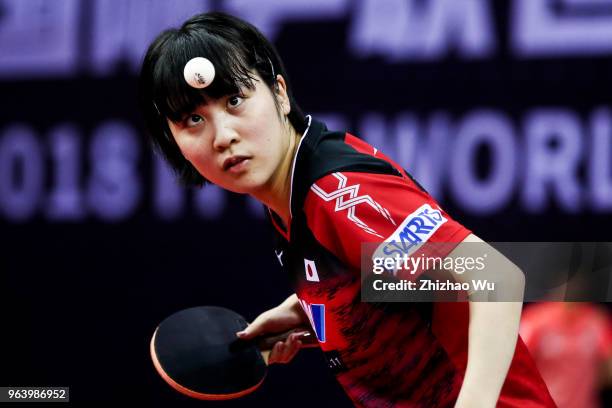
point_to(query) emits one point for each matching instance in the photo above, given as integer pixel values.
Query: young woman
(326, 193)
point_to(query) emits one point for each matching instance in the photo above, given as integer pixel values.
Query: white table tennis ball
(199, 72)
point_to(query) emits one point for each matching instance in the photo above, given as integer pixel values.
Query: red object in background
(570, 342)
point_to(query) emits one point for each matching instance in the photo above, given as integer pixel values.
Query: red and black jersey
(345, 192)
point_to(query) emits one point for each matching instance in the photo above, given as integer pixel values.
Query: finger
(285, 353)
(286, 350)
(289, 349)
(291, 340)
(255, 328)
(293, 351)
(275, 353)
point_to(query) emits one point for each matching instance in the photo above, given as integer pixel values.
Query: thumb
(245, 333)
(254, 329)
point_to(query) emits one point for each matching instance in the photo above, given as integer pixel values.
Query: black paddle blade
(197, 353)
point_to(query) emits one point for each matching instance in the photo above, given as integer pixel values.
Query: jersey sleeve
(604, 343)
(346, 209)
(529, 328)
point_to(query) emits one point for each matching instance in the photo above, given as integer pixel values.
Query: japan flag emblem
(311, 270)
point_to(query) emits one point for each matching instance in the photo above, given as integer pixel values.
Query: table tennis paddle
(196, 352)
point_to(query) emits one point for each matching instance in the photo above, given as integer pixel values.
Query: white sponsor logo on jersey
(415, 230)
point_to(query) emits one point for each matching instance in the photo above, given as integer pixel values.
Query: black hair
(236, 48)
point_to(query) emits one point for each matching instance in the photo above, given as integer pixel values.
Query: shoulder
(345, 209)
(374, 194)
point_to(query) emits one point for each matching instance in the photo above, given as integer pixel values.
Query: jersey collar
(298, 179)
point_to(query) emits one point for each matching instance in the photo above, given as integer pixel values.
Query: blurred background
(501, 109)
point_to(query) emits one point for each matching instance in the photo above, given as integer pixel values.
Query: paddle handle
(308, 339)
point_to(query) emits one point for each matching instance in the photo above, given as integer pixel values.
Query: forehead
(174, 97)
(254, 93)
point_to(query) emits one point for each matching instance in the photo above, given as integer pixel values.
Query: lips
(232, 161)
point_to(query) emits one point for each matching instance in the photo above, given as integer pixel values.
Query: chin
(247, 186)
(238, 189)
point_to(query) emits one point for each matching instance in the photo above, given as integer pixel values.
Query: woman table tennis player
(218, 106)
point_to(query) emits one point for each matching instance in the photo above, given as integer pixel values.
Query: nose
(225, 134)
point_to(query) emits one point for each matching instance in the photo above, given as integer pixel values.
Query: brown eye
(235, 101)
(193, 120)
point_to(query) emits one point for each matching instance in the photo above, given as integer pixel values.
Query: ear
(282, 95)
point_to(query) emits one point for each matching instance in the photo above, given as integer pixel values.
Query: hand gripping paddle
(197, 352)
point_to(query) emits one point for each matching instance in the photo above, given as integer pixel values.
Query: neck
(277, 192)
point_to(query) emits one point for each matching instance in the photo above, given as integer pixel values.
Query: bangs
(240, 54)
(173, 96)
